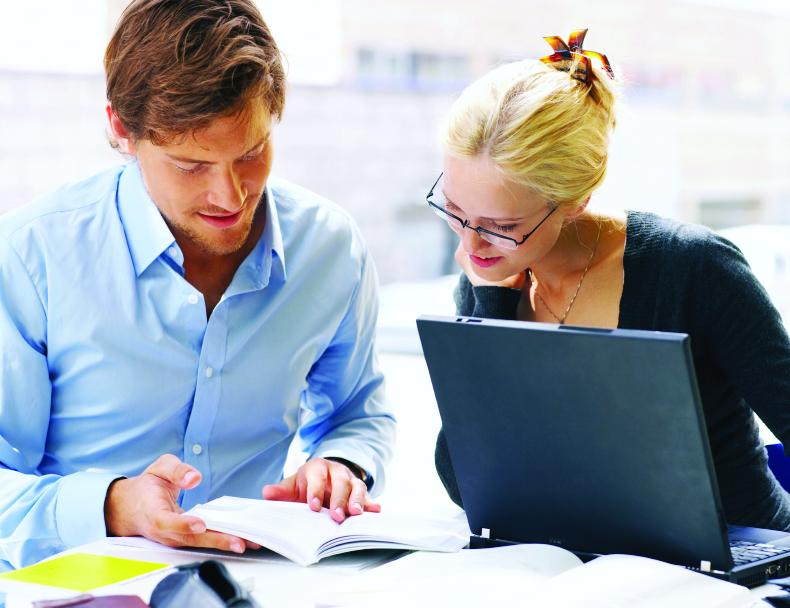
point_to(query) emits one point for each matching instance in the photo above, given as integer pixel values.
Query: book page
(355, 561)
(291, 529)
(477, 577)
(372, 529)
(627, 581)
(305, 536)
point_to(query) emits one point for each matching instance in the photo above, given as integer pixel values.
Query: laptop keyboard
(744, 552)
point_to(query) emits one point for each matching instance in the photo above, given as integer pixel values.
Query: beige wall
(712, 131)
(52, 131)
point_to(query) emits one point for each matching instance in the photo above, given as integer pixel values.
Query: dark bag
(201, 585)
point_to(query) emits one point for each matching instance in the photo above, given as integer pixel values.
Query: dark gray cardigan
(684, 278)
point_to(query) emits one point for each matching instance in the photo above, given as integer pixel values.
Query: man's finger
(167, 523)
(171, 469)
(287, 490)
(211, 540)
(371, 505)
(342, 482)
(358, 498)
(316, 474)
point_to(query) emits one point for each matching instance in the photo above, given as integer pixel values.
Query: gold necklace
(578, 287)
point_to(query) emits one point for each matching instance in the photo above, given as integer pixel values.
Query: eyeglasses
(457, 224)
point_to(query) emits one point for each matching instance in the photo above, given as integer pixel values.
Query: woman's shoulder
(669, 264)
(666, 239)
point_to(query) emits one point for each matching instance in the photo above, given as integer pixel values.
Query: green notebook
(82, 571)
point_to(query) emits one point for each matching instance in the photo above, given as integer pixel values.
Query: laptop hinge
(482, 542)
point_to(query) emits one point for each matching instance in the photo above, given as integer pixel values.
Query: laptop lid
(586, 438)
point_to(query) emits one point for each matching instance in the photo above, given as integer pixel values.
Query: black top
(684, 278)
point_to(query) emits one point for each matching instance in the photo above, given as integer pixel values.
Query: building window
(719, 214)
(412, 70)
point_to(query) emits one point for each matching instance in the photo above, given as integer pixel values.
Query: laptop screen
(589, 439)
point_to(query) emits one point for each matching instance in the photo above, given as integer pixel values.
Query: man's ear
(580, 208)
(119, 133)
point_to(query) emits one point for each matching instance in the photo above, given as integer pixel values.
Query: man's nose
(228, 191)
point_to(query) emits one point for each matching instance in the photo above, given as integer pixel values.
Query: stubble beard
(214, 246)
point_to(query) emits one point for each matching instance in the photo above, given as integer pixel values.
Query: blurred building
(705, 135)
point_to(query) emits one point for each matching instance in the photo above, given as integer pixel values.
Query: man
(168, 326)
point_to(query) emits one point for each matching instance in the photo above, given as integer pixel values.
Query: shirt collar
(268, 256)
(273, 224)
(147, 233)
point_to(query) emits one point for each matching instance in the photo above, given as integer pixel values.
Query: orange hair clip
(567, 52)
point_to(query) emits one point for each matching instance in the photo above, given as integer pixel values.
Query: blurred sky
(70, 35)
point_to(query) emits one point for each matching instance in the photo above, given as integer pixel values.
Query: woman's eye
(505, 228)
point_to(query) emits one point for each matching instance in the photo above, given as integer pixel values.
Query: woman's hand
(517, 281)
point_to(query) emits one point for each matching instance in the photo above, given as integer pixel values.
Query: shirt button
(197, 449)
(192, 299)
(172, 252)
(209, 372)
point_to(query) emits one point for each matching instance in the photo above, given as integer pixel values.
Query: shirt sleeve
(349, 415)
(746, 336)
(39, 514)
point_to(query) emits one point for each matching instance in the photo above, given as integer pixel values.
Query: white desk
(275, 584)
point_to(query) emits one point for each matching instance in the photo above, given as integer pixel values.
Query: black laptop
(590, 439)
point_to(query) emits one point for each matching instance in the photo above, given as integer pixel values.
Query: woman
(524, 148)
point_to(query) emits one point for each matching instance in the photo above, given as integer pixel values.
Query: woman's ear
(580, 208)
(119, 133)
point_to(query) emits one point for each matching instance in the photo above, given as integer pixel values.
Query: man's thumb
(171, 469)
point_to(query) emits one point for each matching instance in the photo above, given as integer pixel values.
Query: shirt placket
(208, 388)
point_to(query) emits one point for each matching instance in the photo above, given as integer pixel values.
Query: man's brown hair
(175, 66)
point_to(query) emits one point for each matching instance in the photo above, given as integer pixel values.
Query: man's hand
(321, 482)
(516, 281)
(146, 506)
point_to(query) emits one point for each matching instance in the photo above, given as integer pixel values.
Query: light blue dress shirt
(108, 361)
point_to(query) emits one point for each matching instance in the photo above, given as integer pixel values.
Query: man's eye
(251, 157)
(194, 169)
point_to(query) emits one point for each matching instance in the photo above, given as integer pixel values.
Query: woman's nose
(471, 240)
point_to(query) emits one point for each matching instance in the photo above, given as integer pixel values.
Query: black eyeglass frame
(479, 229)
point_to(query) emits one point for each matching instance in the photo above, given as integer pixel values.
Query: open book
(534, 575)
(305, 536)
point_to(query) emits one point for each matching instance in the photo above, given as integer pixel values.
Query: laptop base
(479, 542)
(751, 575)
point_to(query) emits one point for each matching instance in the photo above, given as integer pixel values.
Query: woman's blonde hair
(538, 125)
